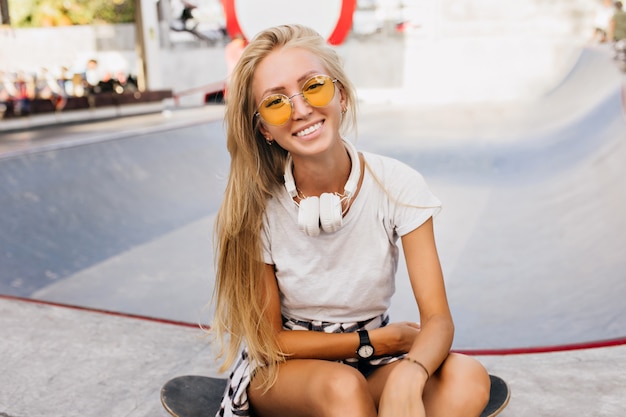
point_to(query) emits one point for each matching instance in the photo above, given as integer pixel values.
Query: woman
(306, 254)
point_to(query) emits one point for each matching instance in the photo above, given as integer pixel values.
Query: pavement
(107, 266)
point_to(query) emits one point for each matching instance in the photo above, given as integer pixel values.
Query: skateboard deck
(193, 396)
(200, 396)
(498, 397)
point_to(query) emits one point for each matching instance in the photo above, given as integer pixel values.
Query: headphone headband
(355, 172)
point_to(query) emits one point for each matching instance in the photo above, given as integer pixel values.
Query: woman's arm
(433, 344)
(405, 384)
(394, 338)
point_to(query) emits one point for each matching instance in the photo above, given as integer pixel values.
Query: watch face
(366, 351)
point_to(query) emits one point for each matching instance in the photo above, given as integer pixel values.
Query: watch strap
(364, 338)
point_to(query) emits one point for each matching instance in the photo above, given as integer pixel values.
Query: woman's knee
(473, 384)
(464, 385)
(479, 385)
(343, 391)
(342, 387)
(315, 389)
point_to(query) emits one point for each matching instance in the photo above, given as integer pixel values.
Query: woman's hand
(394, 338)
(402, 395)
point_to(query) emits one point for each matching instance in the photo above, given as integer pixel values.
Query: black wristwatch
(365, 349)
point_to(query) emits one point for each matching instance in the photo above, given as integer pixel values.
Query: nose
(301, 107)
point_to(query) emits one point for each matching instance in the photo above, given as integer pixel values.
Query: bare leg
(460, 387)
(314, 388)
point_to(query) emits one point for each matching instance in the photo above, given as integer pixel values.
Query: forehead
(284, 68)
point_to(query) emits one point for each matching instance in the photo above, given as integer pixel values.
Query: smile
(309, 129)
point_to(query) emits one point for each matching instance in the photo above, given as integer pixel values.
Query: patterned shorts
(235, 401)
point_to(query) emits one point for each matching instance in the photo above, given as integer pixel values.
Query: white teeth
(309, 130)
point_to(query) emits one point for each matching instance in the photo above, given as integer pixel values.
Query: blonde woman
(307, 250)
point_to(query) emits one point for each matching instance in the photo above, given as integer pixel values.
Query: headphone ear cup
(309, 216)
(330, 212)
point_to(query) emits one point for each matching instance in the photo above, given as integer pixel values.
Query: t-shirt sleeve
(411, 201)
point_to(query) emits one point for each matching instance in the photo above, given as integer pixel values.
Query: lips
(309, 129)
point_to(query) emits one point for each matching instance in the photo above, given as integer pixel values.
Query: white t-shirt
(348, 275)
(603, 17)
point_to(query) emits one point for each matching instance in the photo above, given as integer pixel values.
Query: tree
(4, 12)
(37, 13)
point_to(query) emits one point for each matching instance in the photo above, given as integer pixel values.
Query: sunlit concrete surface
(59, 361)
(117, 215)
(62, 362)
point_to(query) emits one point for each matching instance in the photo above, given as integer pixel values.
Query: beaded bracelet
(410, 359)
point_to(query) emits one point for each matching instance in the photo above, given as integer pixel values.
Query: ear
(264, 130)
(343, 98)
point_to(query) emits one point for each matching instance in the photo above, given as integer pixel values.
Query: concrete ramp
(532, 236)
(98, 224)
(533, 232)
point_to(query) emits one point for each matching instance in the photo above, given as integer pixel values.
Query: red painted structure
(341, 28)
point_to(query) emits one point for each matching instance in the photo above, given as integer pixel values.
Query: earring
(269, 141)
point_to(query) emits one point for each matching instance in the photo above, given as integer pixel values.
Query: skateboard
(499, 397)
(200, 396)
(193, 395)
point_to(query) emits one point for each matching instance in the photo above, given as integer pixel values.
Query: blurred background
(420, 50)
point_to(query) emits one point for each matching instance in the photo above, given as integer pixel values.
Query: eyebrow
(300, 80)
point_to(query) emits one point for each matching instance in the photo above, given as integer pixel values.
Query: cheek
(274, 132)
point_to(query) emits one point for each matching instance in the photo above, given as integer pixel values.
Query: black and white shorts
(235, 400)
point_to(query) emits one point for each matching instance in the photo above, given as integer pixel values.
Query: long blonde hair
(256, 172)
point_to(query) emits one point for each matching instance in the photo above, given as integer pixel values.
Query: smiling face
(309, 130)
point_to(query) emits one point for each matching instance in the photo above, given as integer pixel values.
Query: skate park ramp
(122, 223)
(532, 232)
(532, 235)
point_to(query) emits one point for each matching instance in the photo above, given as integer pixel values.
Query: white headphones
(324, 210)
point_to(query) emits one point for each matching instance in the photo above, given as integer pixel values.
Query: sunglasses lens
(319, 90)
(275, 109)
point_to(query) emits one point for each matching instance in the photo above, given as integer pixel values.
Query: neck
(327, 174)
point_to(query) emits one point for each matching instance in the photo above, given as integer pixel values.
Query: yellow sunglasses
(276, 109)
